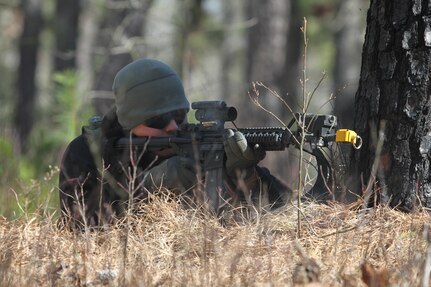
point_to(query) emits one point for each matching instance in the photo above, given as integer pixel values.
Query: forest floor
(168, 245)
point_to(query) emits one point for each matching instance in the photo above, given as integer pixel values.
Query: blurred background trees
(59, 57)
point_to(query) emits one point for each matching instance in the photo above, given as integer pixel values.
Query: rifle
(203, 141)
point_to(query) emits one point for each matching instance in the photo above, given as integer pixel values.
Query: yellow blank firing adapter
(348, 136)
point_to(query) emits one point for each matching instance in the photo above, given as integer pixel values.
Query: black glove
(239, 156)
(175, 173)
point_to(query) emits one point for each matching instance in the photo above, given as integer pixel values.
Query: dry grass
(167, 245)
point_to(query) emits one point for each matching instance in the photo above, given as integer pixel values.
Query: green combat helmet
(147, 88)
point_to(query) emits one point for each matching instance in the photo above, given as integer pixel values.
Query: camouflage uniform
(95, 177)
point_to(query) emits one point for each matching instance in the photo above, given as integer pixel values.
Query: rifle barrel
(141, 142)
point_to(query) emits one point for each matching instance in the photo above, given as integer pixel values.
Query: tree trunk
(66, 34)
(266, 48)
(271, 59)
(190, 21)
(348, 35)
(227, 51)
(122, 26)
(289, 81)
(29, 44)
(231, 53)
(395, 88)
(87, 41)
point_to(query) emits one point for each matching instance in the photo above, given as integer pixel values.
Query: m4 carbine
(203, 141)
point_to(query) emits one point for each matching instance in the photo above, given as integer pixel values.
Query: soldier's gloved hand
(175, 173)
(239, 156)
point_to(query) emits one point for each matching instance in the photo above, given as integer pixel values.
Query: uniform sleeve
(79, 185)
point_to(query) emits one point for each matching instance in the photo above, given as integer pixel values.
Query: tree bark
(348, 35)
(274, 61)
(231, 53)
(289, 81)
(395, 88)
(88, 32)
(184, 60)
(267, 44)
(120, 28)
(26, 86)
(227, 51)
(66, 33)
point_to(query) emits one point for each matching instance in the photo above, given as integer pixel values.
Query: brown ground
(169, 246)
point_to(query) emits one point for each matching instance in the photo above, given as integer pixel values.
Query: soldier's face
(143, 130)
(161, 125)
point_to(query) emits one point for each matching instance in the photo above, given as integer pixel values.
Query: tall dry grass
(168, 245)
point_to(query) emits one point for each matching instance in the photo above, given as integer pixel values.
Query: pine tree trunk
(231, 53)
(290, 79)
(266, 49)
(120, 26)
(26, 87)
(227, 51)
(349, 37)
(271, 59)
(395, 88)
(192, 13)
(66, 33)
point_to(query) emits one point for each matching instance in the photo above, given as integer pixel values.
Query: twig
(427, 264)
(301, 151)
(314, 90)
(347, 229)
(374, 169)
(255, 100)
(306, 220)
